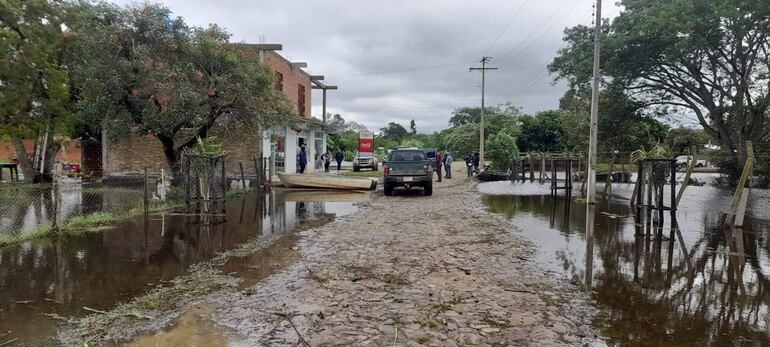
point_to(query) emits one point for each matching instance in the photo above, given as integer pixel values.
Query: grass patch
(236, 192)
(5, 239)
(362, 174)
(90, 222)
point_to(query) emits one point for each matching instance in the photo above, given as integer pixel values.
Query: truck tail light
(386, 169)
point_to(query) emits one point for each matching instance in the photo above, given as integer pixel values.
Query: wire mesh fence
(70, 203)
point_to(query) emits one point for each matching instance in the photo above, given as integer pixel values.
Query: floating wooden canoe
(328, 182)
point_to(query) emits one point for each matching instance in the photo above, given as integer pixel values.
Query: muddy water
(696, 285)
(99, 270)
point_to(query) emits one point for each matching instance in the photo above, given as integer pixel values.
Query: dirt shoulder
(410, 270)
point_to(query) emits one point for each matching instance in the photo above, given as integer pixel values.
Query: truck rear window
(411, 155)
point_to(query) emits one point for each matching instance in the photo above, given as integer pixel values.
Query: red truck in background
(365, 157)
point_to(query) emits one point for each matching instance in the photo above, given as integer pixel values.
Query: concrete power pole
(483, 70)
(592, 145)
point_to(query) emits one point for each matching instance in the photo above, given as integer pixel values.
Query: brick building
(134, 154)
(69, 153)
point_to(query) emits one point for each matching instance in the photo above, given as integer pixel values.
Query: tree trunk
(172, 159)
(25, 162)
(50, 157)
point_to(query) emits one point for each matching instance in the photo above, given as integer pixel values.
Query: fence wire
(71, 202)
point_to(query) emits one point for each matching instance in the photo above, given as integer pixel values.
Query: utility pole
(592, 145)
(483, 70)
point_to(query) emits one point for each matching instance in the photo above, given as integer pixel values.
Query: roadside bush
(502, 151)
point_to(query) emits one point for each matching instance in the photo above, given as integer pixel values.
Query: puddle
(102, 269)
(193, 329)
(700, 286)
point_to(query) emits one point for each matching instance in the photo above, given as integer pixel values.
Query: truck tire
(388, 189)
(429, 190)
(376, 168)
(356, 169)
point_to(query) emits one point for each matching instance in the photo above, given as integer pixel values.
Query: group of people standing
(445, 162)
(472, 163)
(325, 160)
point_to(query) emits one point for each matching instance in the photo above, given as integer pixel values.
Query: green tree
(706, 58)
(152, 74)
(413, 142)
(462, 140)
(624, 124)
(394, 131)
(336, 123)
(502, 151)
(34, 89)
(542, 133)
(681, 140)
(467, 115)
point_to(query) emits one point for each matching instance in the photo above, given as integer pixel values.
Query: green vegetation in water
(232, 193)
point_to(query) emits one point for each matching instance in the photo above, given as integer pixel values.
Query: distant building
(133, 154)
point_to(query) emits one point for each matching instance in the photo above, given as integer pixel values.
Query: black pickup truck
(408, 168)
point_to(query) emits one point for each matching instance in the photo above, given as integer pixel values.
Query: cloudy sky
(399, 60)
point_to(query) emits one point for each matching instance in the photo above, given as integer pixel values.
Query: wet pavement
(42, 280)
(698, 284)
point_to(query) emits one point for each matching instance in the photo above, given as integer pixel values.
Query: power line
(507, 54)
(417, 68)
(505, 28)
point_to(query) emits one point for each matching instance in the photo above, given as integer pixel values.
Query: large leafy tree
(394, 131)
(467, 115)
(150, 74)
(543, 132)
(34, 89)
(681, 140)
(708, 59)
(502, 151)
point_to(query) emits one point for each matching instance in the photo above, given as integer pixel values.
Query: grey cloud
(403, 59)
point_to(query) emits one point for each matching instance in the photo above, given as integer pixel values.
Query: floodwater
(99, 270)
(697, 285)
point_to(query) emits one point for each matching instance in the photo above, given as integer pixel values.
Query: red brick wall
(135, 153)
(293, 77)
(70, 154)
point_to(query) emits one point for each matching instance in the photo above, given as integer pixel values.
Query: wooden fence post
(738, 204)
(686, 182)
(608, 181)
(146, 194)
(243, 177)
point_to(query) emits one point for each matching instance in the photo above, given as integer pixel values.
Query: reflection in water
(685, 281)
(98, 270)
(589, 241)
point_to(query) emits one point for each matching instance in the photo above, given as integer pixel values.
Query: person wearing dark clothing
(469, 165)
(476, 161)
(327, 158)
(439, 164)
(302, 160)
(339, 157)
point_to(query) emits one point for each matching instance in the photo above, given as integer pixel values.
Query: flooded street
(700, 285)
(44, 279)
